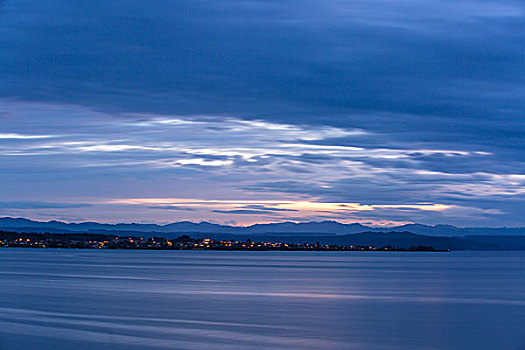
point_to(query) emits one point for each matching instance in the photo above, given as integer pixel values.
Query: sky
(380, 112)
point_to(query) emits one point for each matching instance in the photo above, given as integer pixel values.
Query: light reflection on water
(85, 299)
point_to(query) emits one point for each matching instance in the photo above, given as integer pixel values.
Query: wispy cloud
(40, 205)
(243, 211)
(15, 136)
(327, 170)
(171, 207)
(274, 207)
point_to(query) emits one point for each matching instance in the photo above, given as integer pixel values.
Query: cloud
(378, 102)
(266, 208)
(242, 211)
(171, 207)
(40, 205)
(281, 209)
(203, 162)
(430, 58)
(15, 136)
(257, 209)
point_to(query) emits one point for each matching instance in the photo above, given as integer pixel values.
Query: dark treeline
(184, 242)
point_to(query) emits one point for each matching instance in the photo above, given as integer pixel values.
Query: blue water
(88, 299)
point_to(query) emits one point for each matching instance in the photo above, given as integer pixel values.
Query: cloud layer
(411, 109)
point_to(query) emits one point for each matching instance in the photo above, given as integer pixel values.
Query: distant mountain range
(325, 232)
(281, 229)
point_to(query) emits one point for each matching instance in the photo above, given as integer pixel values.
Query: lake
(103, 299)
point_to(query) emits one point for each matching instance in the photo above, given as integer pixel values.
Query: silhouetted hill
(284, 228)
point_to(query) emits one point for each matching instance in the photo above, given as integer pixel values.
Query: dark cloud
(171, 207)
(234, 57)
(268, 209)
(243, 211)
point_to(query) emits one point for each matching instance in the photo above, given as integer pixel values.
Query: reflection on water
(85, 299)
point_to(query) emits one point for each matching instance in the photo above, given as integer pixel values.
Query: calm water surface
(86, 299)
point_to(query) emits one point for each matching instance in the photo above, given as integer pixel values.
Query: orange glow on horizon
(274, 211)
